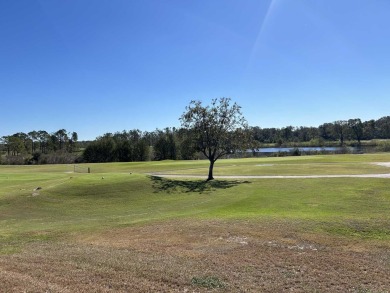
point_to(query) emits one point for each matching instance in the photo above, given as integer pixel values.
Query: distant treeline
(40, 147)
(135, 145)
(338, 131)
(174, 144)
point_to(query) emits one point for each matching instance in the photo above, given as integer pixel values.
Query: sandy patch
(384, 164)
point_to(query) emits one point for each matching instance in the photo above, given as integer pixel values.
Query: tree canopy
(216, 130)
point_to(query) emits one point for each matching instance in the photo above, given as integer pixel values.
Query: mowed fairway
(123, 228)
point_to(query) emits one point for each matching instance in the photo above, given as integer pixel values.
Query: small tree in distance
(216, 130)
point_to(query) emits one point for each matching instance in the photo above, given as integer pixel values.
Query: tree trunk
(211, 170)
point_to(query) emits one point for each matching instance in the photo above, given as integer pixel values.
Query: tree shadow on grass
(161, 184)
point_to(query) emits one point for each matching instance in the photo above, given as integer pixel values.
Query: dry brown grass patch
(243, 256)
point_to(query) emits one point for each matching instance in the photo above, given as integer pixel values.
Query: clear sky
(97, 66)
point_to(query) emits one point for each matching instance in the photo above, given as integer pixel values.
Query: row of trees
(340, 131)
(135, 145)
(176, 144)
(35, 143)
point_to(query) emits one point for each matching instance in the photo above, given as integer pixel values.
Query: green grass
(305, 165)
(109, 197)
(289, 169)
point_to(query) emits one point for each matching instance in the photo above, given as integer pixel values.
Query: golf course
(278, 224)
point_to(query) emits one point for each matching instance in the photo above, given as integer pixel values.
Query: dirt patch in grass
(384, 164)
(199, 256)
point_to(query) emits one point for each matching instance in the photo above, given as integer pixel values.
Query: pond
(307, 149)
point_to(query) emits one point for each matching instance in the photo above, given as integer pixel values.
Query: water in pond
(305, 149)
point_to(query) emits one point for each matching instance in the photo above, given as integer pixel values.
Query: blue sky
(97, 66)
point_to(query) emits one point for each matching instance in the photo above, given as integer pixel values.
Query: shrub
(383, 146)
(296, 152)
